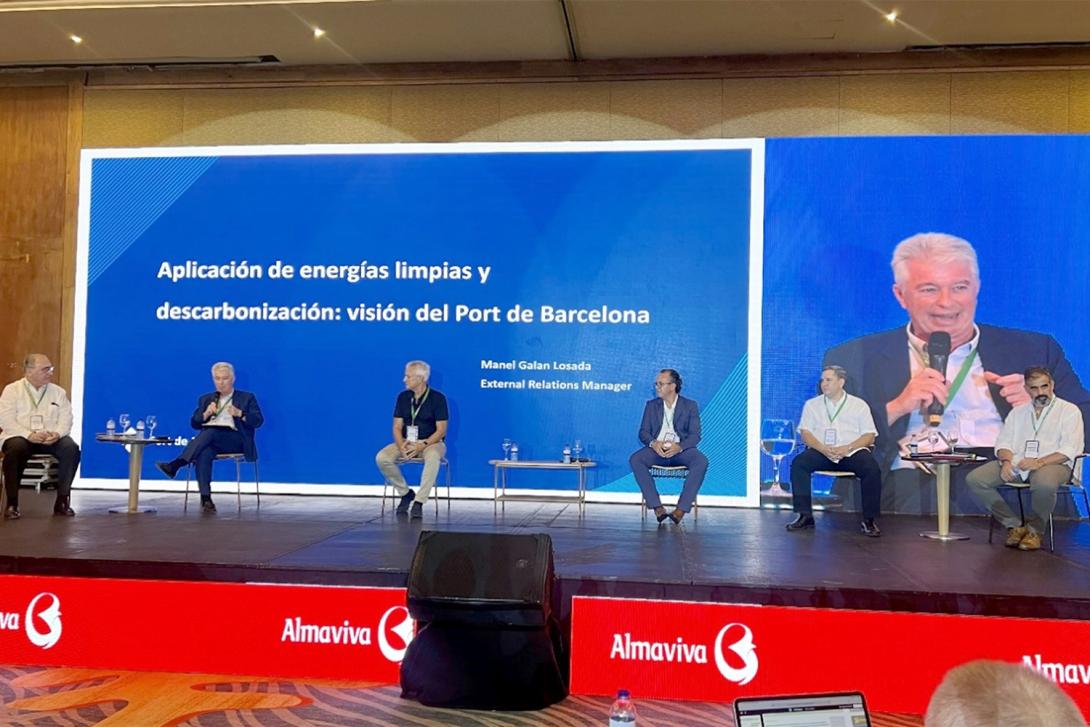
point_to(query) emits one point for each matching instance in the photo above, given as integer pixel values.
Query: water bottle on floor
(623, 711)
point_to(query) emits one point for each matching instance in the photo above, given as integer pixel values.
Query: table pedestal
(136, 458)
(942, 496)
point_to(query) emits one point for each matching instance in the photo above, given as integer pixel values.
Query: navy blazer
(250, 420)
(686, 421)
(878, 369)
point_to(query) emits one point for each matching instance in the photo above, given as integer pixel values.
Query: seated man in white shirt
(36, 418)
(1037, 444)
(838, 430)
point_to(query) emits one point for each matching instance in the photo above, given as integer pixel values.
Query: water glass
(506, 448)
(577, 450)
(152, 421)
(124, 420)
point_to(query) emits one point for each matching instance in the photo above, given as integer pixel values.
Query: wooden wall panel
(34, 219)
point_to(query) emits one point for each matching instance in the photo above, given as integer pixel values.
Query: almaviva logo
(50, 615)
(403, 628)
(678, 651)
(746, 651)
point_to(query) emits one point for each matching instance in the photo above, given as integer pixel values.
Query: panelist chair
(238, 458)
(443, 462)
(47, 462)
(671, 472)
(1069, 489)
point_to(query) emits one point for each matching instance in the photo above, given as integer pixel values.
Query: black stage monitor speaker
(486, 637)
(482, 579)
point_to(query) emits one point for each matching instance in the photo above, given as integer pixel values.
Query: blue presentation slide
(545, 284)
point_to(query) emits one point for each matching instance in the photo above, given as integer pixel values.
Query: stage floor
(724, 555)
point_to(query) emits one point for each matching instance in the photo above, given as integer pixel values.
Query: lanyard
(30, 396)
(832, 417)
(962, 373)
(669, 420)
(221, 407)
(1037, 423)
(416, 410)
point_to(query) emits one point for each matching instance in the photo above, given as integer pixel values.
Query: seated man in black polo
(838, 430)
(420, 425)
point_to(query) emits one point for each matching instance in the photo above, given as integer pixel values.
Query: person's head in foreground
(987, 693)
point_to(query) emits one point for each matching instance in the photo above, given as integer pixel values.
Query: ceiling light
(75, 39)
(891, 16)
(318, 32)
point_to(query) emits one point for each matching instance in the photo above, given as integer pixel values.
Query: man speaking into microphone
(937, 281)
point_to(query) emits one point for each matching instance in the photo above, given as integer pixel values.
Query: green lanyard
(416, 410)
(30, 396)
(1038, 422)
(962, 373)
(832, 417)
(221, 407)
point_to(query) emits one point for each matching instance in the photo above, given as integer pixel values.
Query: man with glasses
(669, 431)
(227, 419)
(36, 418)
(420, 425)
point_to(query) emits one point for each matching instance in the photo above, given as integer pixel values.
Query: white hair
(223, 365)
(986, 693)
(935, 246)
(421, 366)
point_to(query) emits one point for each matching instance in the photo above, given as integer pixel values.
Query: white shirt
(224, 418)
(667, 433)
(1058, 429)
(972, 407)
(852, 422)
(20, 401)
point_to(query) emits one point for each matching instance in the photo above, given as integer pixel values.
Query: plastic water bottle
(515, 452)
(110, 427)
(566, 454)
(623, 711)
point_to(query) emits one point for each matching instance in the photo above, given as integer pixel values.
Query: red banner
(716, 652)
(221, 628)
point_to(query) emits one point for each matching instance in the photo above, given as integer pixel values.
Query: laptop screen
(815, 710)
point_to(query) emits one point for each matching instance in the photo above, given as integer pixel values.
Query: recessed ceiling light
(318, 32)
(75, 39)
(891, 16)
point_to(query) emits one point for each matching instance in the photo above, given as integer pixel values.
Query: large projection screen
(545, 284)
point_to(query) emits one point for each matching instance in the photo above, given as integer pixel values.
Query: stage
(726, 555)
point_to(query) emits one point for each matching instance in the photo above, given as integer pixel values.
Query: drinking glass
(124, 420)
(577, 450)
(506, 448)
(953, 433)
(777, 441)
(152, 421)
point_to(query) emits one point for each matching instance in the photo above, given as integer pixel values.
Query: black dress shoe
(801, 522)
(406, 500)
(417, 511)
(870, 528)
(12, 513)
(208, 505)
(63, 511)
(167, 468)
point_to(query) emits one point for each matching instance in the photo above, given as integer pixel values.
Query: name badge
(671, 437)
(1033, 448)
(830, 436)
(412, 433)
(37, 422)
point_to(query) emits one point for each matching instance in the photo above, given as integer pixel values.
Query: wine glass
(577, 450)
(777, 441)
(152, 421)
(953, 433)
(506, 444)
(124, 421)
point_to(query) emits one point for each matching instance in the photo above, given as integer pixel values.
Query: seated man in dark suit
(227, 419)
(670, 431)
(937, 282)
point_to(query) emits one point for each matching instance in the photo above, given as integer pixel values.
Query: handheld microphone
(938, 352)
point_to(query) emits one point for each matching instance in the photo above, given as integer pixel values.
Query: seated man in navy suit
(227, 419)
(937, 282)
(670, 431)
